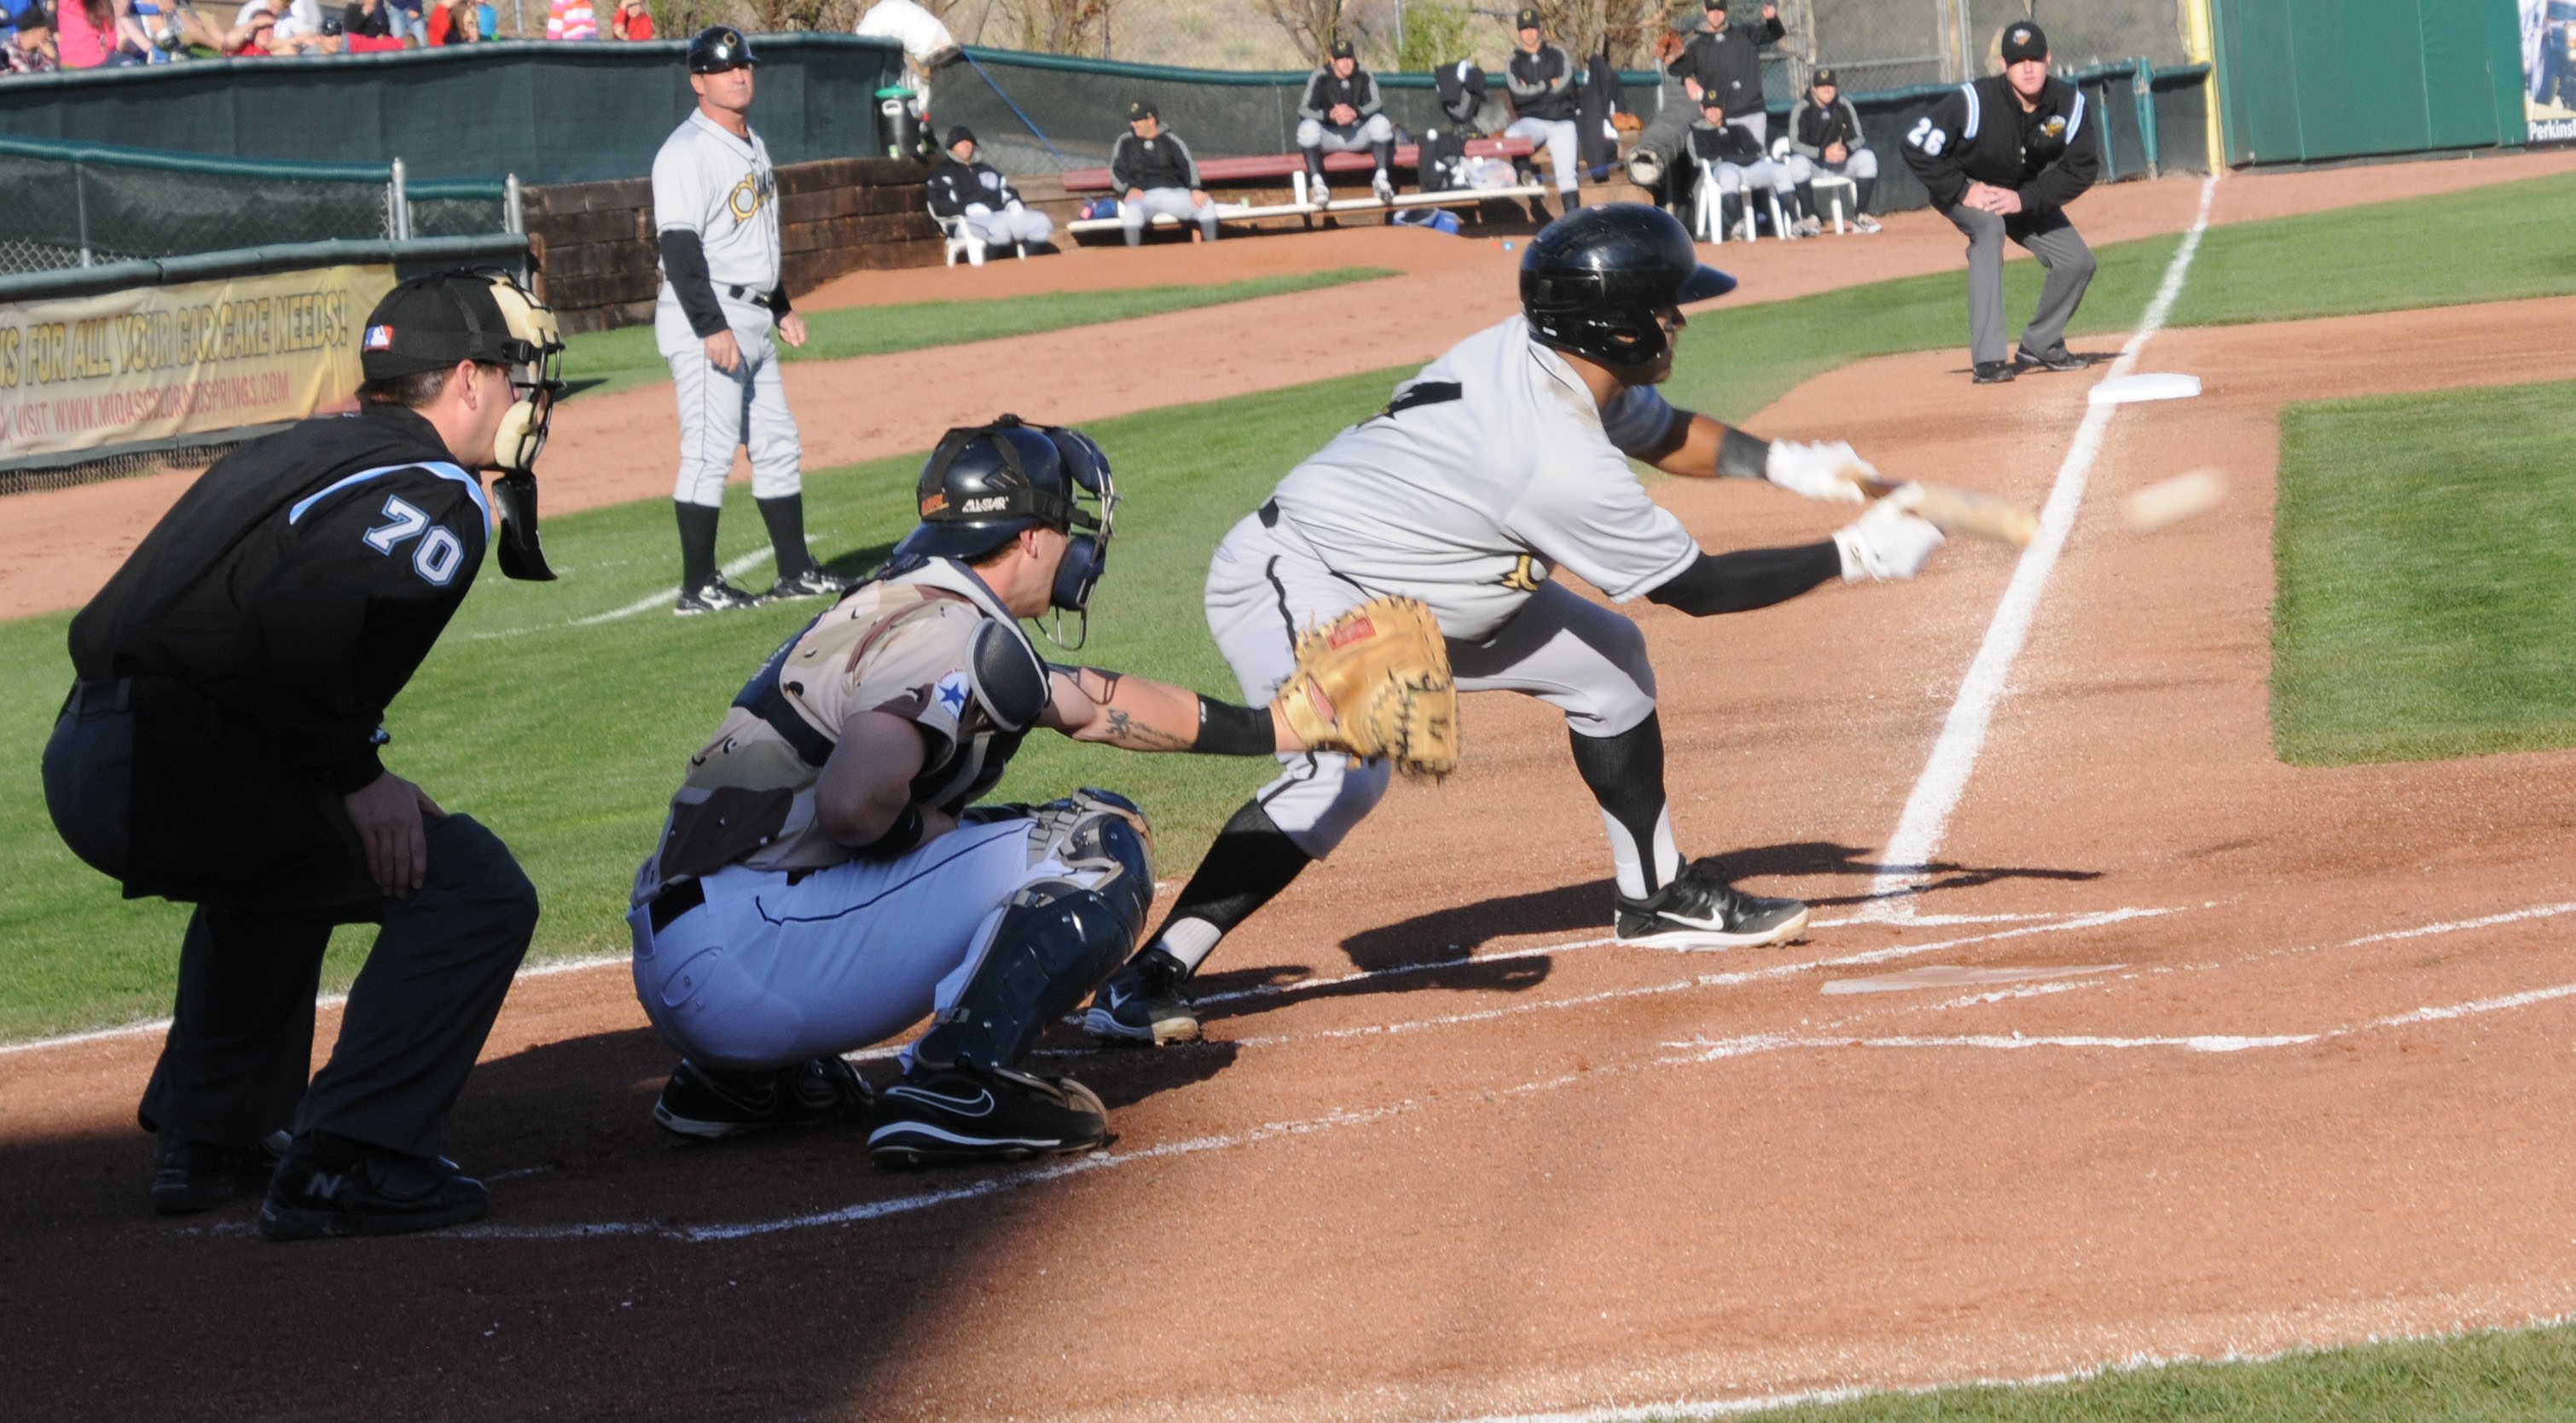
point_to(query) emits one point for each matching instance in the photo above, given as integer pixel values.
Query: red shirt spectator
(632, 20)
(85, 33)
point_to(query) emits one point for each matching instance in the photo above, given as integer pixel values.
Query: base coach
(223, 747)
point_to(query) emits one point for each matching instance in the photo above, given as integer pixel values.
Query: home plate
(1915, 980)
(2156, 385)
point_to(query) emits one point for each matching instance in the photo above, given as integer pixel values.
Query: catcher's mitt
(1375, 682)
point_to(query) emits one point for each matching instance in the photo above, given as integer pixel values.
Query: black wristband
(1742, 456)
(898, 838)
(1229, 730)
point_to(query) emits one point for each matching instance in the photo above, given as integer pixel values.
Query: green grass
(567, 739)
(2426, 555)
(605, 361)
(2499, 1377)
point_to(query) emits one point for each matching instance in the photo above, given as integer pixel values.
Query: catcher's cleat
(716, 596)
(343, 1188)
(968, 1113)
(1141, 1003)
(191, 1176)
(812, 583)
(709, 1102)
(1705, 913)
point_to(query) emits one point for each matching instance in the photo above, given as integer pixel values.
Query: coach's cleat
(715, 596)
(330, 1187)
(1383, 188)
(1318, 194)
(2060, 359)
(1994, 372)
(710, 1102)
(1142, 1004)
(967, 1113)
(1703, 913)
(812, 583)
(193, 1176)
(1865, 224)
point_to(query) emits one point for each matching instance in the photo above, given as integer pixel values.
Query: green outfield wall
(2303, 81)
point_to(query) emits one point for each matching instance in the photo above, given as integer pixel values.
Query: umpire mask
(533, 353)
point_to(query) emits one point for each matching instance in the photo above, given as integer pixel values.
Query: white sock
(1189, 940)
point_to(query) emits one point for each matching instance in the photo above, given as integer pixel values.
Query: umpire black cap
(1595, 282)
(2024, 40)
(431, 323)
(719, 48)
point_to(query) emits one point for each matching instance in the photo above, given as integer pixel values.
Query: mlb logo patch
(379, 338)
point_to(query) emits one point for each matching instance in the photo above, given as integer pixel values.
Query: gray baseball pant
(2054, 241)
(723, 411)
(1176, 201)
(1562, 141)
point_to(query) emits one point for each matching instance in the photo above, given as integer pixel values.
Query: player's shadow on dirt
(1816, 859)
(1271, 988)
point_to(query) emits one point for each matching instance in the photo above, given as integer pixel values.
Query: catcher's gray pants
(2050, 238)
(1004, 226)
(1135, 212)
(776, 968)
(1562, 140)
(723, 411)
(236, 1062)
(1267, 584)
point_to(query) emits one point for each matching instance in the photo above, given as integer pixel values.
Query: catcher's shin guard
(1057, 938)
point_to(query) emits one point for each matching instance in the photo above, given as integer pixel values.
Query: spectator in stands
(631, 20)
(1342, 112)
(30, 46)
(1825, 136)
(571, 20)
(254, 34)
(1742, 169)
(406, 22)
(85, 34)
(456, 22)
(1540, 79)
(1153, 173)
(1726, 60)
(962, 187)
(366, 20)
(168, 30)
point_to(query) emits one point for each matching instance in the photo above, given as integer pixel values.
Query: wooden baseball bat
(1966, 511)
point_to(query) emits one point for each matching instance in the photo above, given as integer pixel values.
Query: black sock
(697, 544)
(1625, 773)
(1867, 188)
(785, 516)
(1250, 863)
(1314, 165)
(1806, 201)
(1385, 159)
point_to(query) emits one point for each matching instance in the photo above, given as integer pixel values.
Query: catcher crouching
(825, 878)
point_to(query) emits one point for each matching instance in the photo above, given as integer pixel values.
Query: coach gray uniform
(1153, 172)
(720, 187)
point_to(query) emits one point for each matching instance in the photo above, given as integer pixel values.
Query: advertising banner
(2549, 69)
(154, 363)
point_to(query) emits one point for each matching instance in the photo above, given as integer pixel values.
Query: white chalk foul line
(1926, 816)
(664, 599)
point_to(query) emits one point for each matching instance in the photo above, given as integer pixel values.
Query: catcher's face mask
(533, 355)
(1094, 510)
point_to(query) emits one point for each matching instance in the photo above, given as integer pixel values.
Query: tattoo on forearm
(1127, 731)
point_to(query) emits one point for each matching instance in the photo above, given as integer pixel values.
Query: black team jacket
(1978, 133)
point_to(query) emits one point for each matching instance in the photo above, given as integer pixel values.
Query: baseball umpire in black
(2002, 157)
(223, 747)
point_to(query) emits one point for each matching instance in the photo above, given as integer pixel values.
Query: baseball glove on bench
(1375, 682)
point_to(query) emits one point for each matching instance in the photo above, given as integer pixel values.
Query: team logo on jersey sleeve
(951, 694)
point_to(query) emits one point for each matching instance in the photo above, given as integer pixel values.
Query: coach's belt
(757, 298)
(675, 901)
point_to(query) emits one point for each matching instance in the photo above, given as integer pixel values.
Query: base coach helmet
(1594, 280)
(719, 48)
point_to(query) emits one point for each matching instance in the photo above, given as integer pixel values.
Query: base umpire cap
(719, 48)
(1594, 281)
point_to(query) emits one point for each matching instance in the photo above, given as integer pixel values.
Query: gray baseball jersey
(723, 189)
(1489, 469)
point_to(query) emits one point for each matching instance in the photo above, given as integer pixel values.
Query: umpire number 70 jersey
(723, 189)
(1486, 472)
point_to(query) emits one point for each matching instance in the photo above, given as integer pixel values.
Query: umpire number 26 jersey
(1486, 472)
(723, 189)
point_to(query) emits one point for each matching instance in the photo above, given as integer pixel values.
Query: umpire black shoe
(334, 1188)
(2060, 359)
(709, 1102)
(716, 596)
(983, 1114)
(193, 1176)
(812, 583)
(1995, 372)
(1702, 912)
(1141, 1003)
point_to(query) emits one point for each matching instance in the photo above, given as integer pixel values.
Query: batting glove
(1890, 542)
(1819, 471)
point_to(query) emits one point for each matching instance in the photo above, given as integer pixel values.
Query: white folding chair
(1705, 214)
(965, 241)
(1828, 186)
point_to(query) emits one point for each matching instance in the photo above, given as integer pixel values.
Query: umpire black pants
(235, 1063)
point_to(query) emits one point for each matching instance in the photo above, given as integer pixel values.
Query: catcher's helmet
(983, 484)
(1593, 281)
(719, 48)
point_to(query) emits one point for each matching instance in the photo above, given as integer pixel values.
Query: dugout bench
(1292, 166)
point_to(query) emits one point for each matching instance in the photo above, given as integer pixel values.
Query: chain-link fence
(80, 205)
(1898, 44)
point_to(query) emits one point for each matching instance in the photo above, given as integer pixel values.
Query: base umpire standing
(222, 748)
(715, 213)
(2002, 157)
